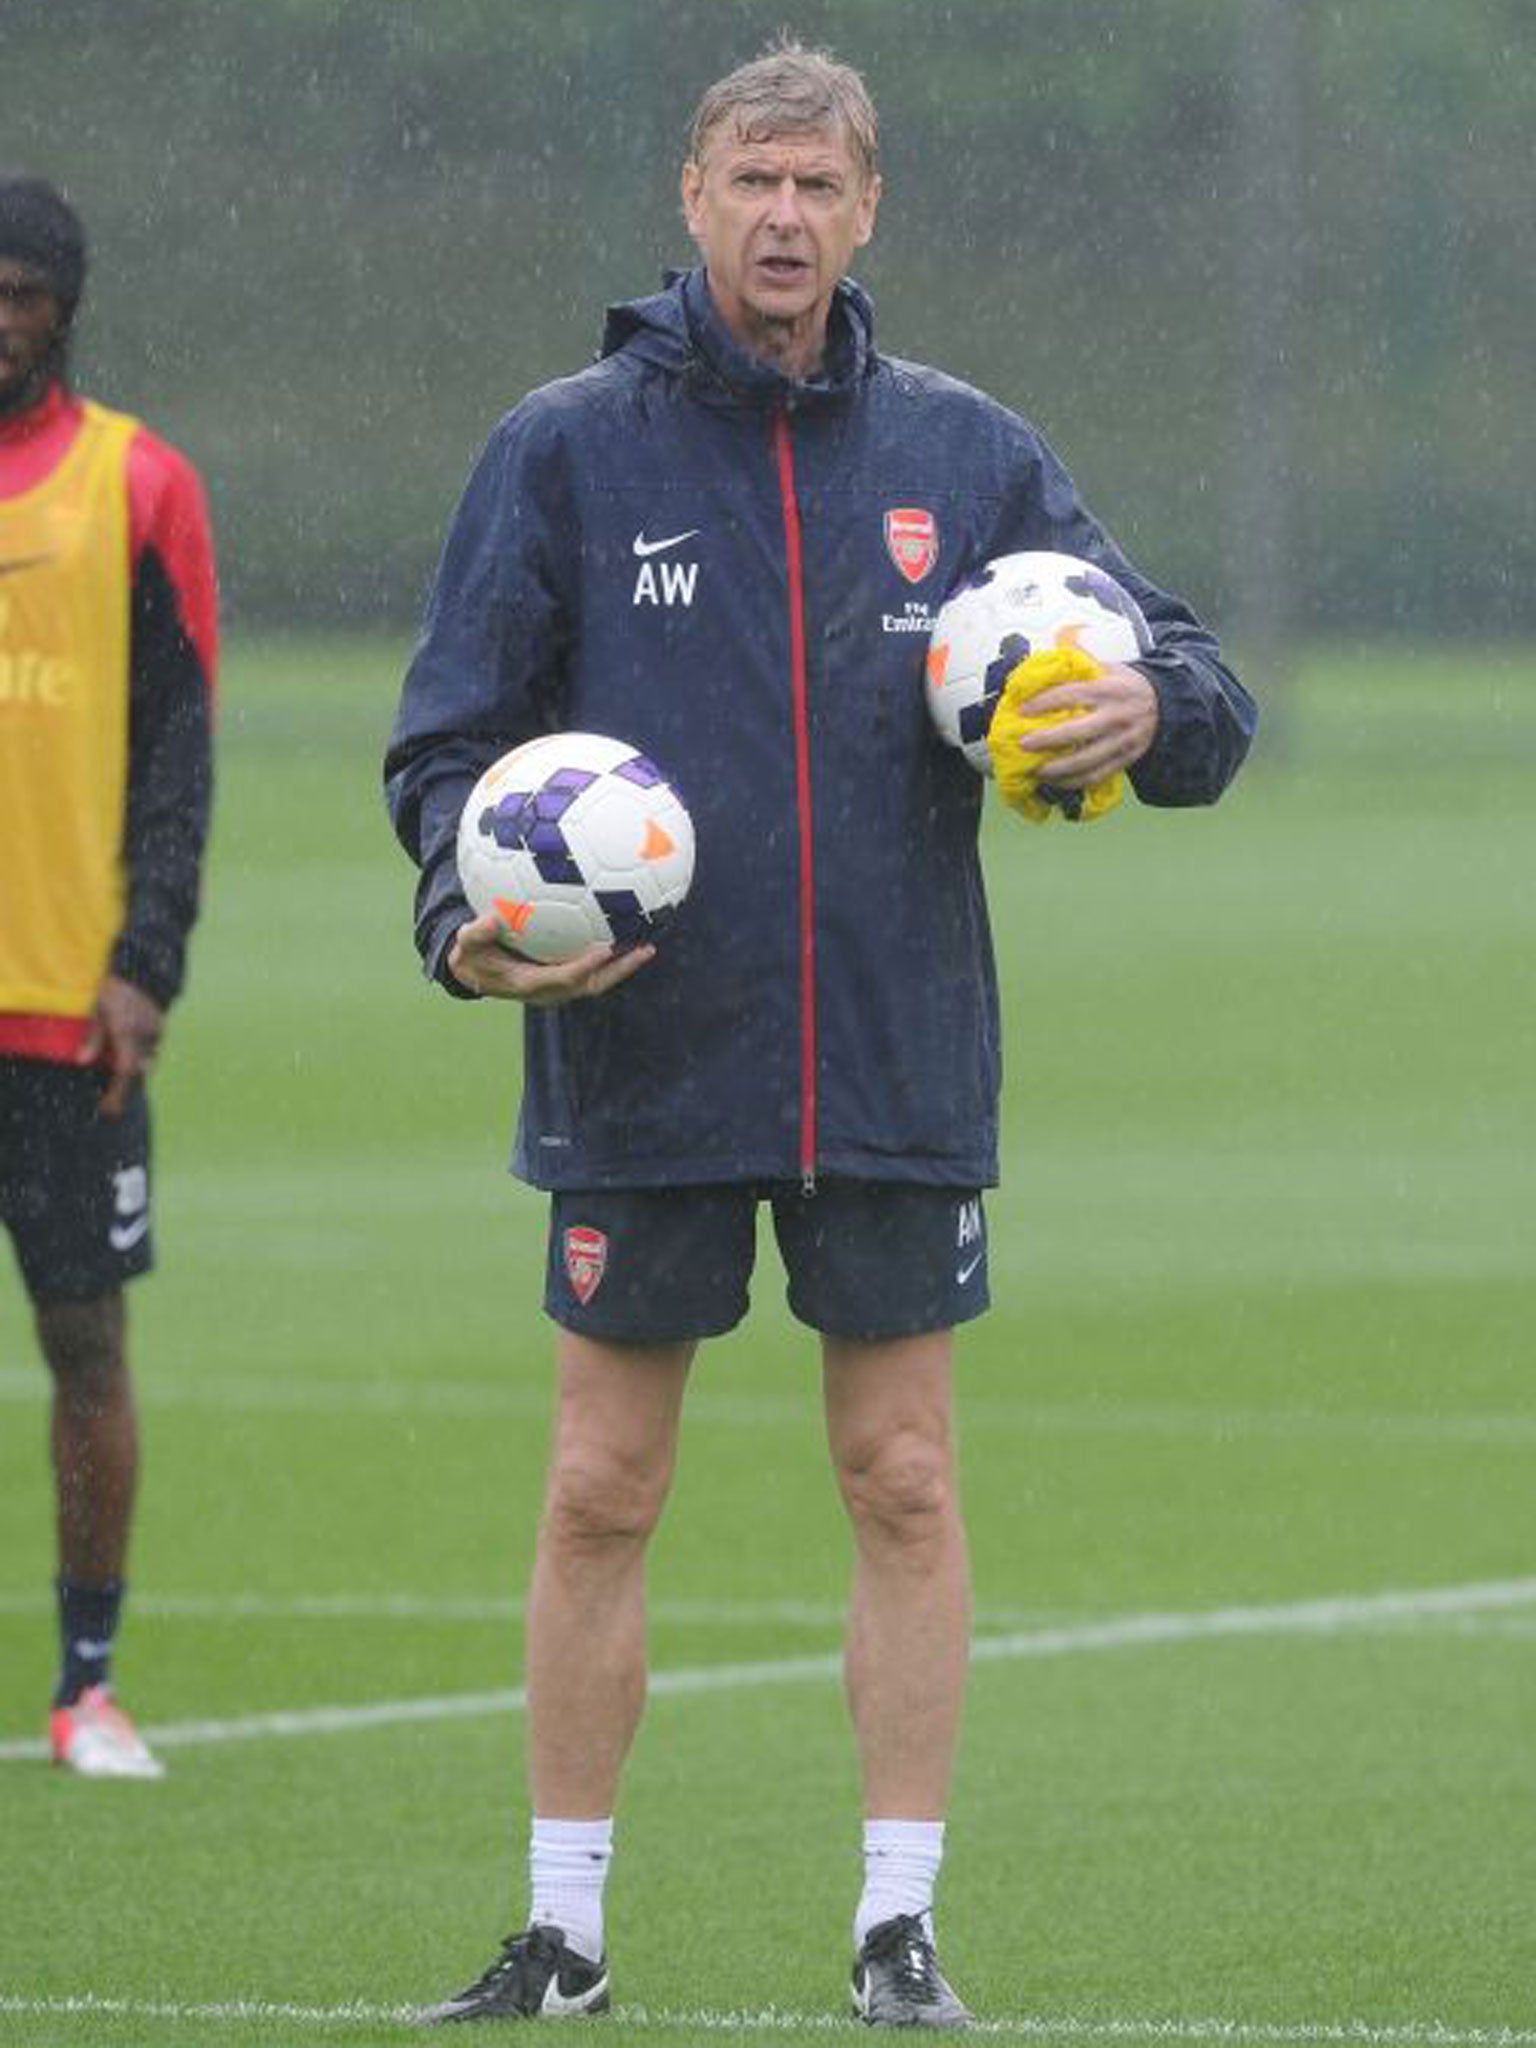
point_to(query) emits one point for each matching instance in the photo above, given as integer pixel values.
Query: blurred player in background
(725, 543)
(107, 651)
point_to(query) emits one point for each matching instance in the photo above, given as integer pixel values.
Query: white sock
(567, 1869)
(901, 1867)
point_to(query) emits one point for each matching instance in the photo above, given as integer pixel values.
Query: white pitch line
(477, 1607)
(717, 1406)
(775, 2020)
(1300, 1617)
(1329, 1616)
(429, 1607)
(86, 2004)
(453, 1609)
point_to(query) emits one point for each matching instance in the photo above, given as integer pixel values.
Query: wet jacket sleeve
(483, 677)
(172, 659)
(1206, 718)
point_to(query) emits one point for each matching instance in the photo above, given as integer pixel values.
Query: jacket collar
(679, 328)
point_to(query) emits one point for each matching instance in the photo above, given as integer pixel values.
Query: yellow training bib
(64, 647)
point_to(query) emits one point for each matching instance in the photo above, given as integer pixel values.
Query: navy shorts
(74, 1184)
(863, 1259)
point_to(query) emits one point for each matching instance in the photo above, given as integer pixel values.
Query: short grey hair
(790, 90)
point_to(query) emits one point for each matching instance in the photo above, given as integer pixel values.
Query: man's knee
(83, 1341)
(900, 1487)
(598, 1500)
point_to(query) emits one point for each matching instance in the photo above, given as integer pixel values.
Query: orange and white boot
(96, 1738)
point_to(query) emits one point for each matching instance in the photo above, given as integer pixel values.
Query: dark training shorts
(863, 1259)
(74, 1185)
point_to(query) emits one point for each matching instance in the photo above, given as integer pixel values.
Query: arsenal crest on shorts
(912, 541)
(586, 1259)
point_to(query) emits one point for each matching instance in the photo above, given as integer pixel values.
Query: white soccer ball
(573, 840)
(1011, 607)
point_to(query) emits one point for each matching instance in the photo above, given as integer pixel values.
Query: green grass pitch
(1248, 1448)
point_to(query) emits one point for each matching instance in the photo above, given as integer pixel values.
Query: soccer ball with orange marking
(573, 840)
(1013, 606)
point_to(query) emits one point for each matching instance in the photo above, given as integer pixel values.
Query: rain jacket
(736, 572)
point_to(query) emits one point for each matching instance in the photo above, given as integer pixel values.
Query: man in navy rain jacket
(725, 542)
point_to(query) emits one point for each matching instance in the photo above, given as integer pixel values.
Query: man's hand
(1113, 722)
(123, 1036)
(1064, 729)
(480, 959)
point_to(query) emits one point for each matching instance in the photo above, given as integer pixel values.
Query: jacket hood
(678, 329)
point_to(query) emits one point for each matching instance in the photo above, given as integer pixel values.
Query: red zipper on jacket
(800, 714)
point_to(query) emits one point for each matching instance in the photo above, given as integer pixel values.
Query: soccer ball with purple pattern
(574, 840)
(1011, 607)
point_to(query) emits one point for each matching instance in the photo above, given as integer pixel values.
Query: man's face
(29, 326)
(777, 222)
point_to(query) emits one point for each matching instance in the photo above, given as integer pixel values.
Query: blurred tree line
(335, 239)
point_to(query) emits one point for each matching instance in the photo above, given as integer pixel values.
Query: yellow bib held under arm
(1017, 765)
(65, 586)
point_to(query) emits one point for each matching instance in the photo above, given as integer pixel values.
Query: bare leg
(615, 1442)
(94, 1434)
(888, 1425)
